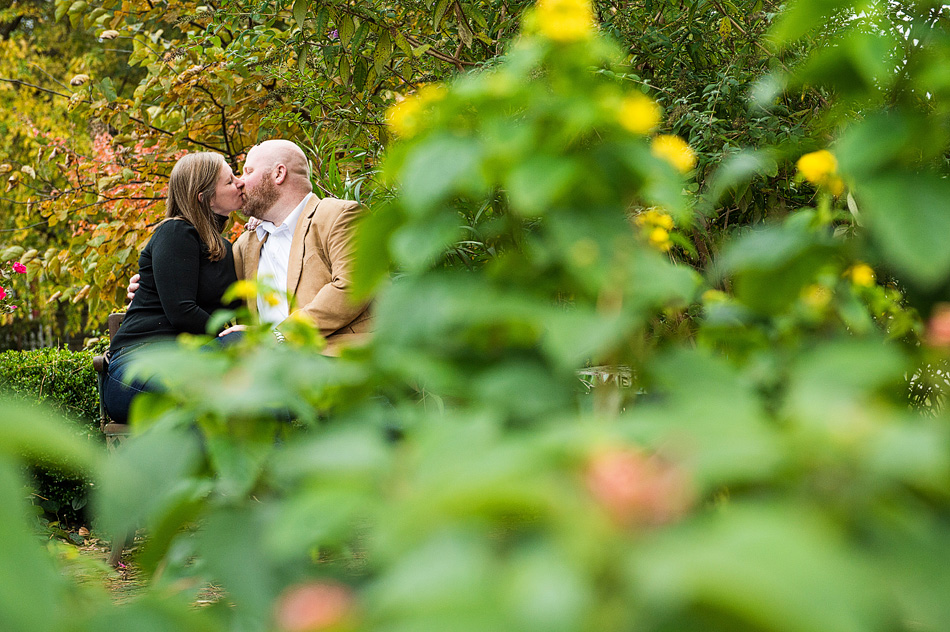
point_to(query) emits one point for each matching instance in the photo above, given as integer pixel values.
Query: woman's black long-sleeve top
(179, 288)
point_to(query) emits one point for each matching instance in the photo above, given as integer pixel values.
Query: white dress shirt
(275, 259)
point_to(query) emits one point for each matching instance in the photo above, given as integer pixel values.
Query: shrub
(64, 381)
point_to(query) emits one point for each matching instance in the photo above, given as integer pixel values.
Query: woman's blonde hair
(191, 188)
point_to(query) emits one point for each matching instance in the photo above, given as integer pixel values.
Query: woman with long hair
(185, 269)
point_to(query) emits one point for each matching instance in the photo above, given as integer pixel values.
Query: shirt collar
(290, 222)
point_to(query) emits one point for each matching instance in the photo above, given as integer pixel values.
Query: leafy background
(760, 442)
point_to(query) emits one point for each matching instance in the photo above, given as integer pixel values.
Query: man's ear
(280, 174)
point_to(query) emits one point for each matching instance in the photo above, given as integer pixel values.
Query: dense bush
(64, 381)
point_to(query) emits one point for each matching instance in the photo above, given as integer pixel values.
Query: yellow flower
(406, 116)
(821, 169)
(654, 217)
(430, 93)
(816, 296)
(675, 151)
(639, 114)
(565, 20)
(403, 116)
(861, 274)
(271, 298)
(817, 166)
(244, 290)
(660, 239)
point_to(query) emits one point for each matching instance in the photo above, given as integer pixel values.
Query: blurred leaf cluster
(764, 447)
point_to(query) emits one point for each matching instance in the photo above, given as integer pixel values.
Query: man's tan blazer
(318, 274)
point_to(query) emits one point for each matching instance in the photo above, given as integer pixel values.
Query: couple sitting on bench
(303, 244)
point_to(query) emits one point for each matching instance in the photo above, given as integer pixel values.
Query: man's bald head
(272, 153)
(276, 177)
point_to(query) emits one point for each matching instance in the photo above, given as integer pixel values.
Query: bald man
(302, 247)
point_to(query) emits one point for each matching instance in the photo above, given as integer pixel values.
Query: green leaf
(840, 374)
(36, 431)
(418, 244)
(774, 567)
(107, 89)
(232, 529)
(143, 479)
(909, 216)
(403, 44)
(300, 9)
(439, 13)
(345, 29)
(738, 169)
(359, 37)
(770, 267)
(803, 16)
(33, 590)
(238, 464)
(62, 6)
(302, 59)
(465, 33)
(320, 24)
(384, 51)
(857, 65)
(437, 168)
(359, 73)
(537, 183)
(373, 259)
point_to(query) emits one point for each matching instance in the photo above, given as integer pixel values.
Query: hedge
(65, 381)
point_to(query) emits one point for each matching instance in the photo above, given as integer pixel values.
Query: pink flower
(638, 489)
(314, 606)
(938, 327)
(3, 293)
(18, 267)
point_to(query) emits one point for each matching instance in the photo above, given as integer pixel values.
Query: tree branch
(131, 118)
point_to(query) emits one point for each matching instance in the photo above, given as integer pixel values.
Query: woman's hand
(232, 329)
(252, 223)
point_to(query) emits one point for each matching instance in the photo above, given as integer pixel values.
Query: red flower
(3, 293)
(18, 267)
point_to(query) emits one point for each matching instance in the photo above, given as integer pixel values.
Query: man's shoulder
(242, 239)
(330, 208)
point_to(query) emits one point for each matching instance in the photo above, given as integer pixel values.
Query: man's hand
(133, 286)
(232, 329)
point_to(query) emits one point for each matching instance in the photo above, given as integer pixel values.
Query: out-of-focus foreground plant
(763, 472)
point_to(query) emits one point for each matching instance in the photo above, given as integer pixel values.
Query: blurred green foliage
(765, 446)
(62, 381)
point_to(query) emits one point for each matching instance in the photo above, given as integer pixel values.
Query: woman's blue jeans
(117, 392)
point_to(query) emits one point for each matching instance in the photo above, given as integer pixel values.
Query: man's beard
(261, 200)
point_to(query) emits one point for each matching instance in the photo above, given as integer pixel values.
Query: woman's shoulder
(175, 226)
(174, 234)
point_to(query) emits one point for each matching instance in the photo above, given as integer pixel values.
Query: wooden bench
(114, 432)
